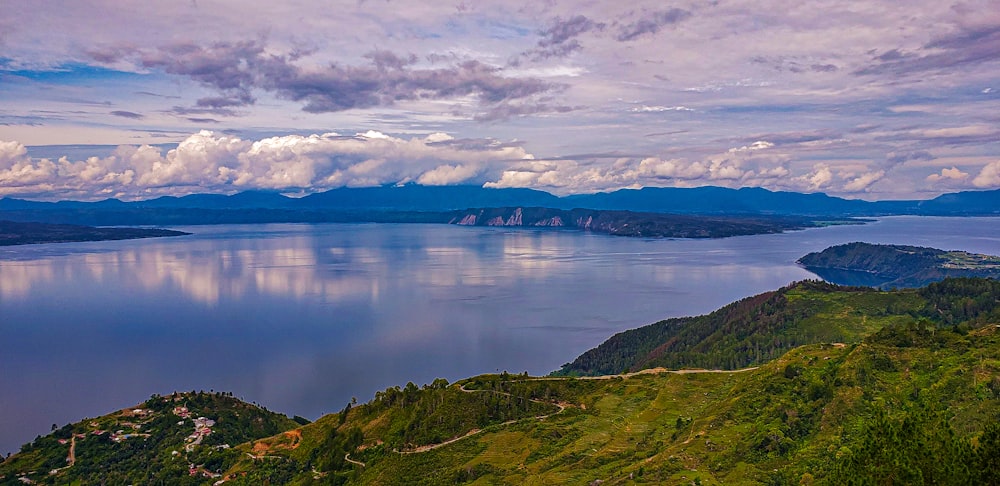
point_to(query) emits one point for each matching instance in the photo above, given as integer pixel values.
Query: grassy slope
(751, 331)
(791, 417)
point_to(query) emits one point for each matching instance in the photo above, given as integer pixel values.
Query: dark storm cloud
(237, 69)
(963, 48)
(651, 23)
(127, 114)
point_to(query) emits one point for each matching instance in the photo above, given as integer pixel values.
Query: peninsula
(896, 266)
(26, 233)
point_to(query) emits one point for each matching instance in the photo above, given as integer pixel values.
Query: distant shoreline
(14, 233)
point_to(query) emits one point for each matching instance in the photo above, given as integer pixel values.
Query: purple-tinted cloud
(237, 69)
(128, 114)
(947, 53)
(651, 23)
(559, 39)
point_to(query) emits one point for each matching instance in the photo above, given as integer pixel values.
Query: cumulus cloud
(238, 69)
(11, 152)
(989, 176)
(672, 169)
(213, 162)
(863, 181)
(733, 168)
(443, 175)
(948, 175)
(820, 178)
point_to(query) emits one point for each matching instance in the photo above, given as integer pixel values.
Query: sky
(138, 99)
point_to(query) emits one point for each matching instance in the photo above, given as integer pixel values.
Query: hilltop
(889, 266)
(763, 327)
(181, 438)
(825, 384)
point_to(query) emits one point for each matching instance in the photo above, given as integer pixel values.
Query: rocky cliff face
(541, 217)
(626, 223)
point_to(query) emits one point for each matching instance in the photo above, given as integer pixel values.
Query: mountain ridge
(699, 200)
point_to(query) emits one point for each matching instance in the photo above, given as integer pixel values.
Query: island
(896, 266)
(26, 233)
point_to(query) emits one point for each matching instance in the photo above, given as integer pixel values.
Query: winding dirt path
(347, 457)
(71, 459)
(650, 371)
(562, 406)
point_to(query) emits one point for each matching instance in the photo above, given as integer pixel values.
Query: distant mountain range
(416, 198)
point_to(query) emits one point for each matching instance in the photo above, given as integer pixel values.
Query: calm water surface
(300, 318)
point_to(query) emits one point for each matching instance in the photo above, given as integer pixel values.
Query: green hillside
(183, 438)
(908, 405)
(864, 387)
(758, 329)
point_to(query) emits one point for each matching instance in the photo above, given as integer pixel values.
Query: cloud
(967, 46)
(820, 178)
(504, 111)
(895, 159)
(651, 23)
(658, 109)
(11, 152)
(559, 38)
(218, 163)
(127, 114)
(758, 145)
(238, 69)
(864, 181)
(672, 169)
(447, 174)
(989, 176)
(948, 175)
(794, 64)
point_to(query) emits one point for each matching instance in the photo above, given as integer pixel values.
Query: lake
(300, 318)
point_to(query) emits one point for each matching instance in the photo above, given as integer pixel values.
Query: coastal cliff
(627, 223)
